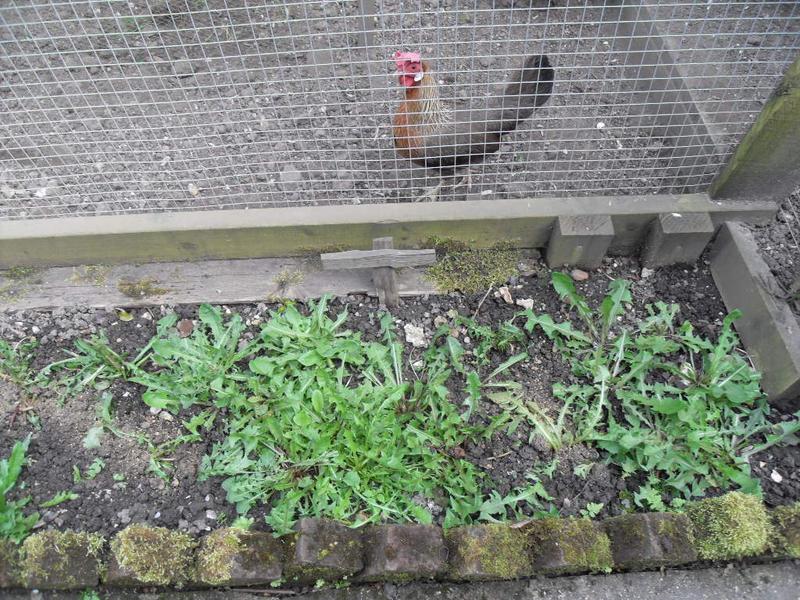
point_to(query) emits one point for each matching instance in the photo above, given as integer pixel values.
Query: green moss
(287, 278)
(215, 560)
(18, 273)
(785, 540)
(154, 554)
(471, 270)
(492, 551)
(141, 288)
(731, 526)
(94, 274)
(49, 555)
(583, 546)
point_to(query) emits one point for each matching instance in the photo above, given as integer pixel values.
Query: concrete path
(778, 581)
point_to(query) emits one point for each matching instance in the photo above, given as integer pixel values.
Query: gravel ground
(126, 491)
(198, 104)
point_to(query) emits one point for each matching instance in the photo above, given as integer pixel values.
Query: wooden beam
(385, 257)
(303, 231)
(766, 164)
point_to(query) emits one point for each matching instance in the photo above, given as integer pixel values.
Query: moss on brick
(216, 556)
(785, 540)
(154, 555)
(493, 551)
(61, 559)
(582, 546)
(729, 527)
(9, 564)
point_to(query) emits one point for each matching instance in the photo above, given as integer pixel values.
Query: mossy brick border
(61, 560)
(301, 231)
(734, 526)
(768, 328)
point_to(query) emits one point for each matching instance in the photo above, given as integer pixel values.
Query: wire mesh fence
(111, 106)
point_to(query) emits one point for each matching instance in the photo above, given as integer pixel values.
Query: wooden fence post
(766, 164)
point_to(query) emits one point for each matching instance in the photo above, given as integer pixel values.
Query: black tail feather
(529, 88)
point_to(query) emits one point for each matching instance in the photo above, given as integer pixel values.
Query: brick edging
(728, 527)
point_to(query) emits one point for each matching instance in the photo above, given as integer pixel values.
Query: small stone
(165, 416)
(41, 192)
(505, 294)
(775, 476)
(154, 410)
(600, 125)
(185, 327)
(526, 303)
(415, 335)
(579, 275)
(194, 190)
(647, 272)
(439, 320)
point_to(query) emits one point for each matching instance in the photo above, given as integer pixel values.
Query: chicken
(432, 135)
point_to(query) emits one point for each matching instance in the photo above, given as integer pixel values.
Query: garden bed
(117, 482)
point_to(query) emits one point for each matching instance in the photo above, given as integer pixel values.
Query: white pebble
(775, 476)
(600, 125)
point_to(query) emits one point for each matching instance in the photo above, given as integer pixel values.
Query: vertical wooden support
(676, 238)
(580, 241)
(384, 278)
(766, 164)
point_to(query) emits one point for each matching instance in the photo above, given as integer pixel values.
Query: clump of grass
(786, 530)
(471, 270)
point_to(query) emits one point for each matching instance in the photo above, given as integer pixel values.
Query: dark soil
(108, 503)
(779, 243)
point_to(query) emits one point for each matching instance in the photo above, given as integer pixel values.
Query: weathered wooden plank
(226, 281)
(766, 164)
(768, 328)
(384, 257)
(164, 237)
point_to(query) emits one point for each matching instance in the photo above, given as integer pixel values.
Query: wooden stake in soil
(383, 259)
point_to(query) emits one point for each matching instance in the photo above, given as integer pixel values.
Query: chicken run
(483, 404)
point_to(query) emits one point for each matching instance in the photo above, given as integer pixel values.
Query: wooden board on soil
(219, 281)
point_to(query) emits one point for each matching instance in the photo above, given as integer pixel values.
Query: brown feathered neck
(424, 105)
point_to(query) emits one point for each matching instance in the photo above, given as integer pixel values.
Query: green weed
(14, 524)
(659, 399)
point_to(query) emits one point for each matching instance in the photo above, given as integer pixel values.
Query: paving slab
(775, 581)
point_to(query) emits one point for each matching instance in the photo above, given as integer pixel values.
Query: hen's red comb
(403, 57)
